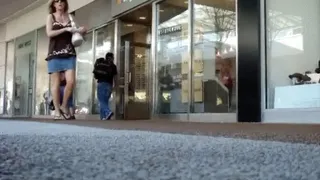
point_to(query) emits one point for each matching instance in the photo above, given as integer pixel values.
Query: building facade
(189, 60)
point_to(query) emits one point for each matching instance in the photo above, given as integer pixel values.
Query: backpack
(103, 69)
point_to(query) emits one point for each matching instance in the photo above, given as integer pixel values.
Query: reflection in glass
(2, 53)
(172, 57)
(139, 68)
(84, 76)
(133, 65)
(214, 59)
(42, 79)
(2, 74)
(9, 78)
(104, 43)
(23, 81)
(293, 66)
(1, 101)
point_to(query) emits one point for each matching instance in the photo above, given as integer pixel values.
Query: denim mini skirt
(61, 64)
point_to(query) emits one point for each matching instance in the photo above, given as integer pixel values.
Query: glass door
(133, 72)
(104, 43)
(83, 91)
(23, 85)
(2, 93)
(23, 80)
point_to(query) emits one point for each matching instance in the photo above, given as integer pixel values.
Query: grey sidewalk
(33, 150)
(297, 133)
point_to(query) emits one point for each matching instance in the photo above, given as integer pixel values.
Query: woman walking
(61, 54)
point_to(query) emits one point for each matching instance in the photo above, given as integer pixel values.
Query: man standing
(105, 72)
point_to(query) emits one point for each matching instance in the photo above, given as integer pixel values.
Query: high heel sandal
(64, 114)
(57, 117)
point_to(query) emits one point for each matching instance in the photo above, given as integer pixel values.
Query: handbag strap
(73, 24)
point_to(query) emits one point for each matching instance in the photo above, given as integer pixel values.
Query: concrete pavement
(33, 150)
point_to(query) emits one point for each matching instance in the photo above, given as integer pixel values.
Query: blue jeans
(104, 91)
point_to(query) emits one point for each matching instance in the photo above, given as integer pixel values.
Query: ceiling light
(142, 17)
(161, 10)
(186, 2)
(129, 25)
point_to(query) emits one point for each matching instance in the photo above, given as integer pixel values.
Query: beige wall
(35, 19)
(94, 14)
(125, 6)
(2, 33)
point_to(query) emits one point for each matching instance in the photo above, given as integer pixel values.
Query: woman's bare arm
(50, 32)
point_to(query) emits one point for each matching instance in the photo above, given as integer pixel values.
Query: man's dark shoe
(110, 116)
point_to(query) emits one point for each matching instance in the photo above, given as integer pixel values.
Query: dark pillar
(249, 61)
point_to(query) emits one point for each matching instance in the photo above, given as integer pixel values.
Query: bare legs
(70, 79)
(55, 91)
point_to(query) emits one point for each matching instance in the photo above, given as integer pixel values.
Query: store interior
(214, 57)
(292, 46)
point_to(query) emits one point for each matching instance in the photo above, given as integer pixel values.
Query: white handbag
(77, 38)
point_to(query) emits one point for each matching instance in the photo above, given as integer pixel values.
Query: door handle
(30, 90)
(126, 62)
(129, 77)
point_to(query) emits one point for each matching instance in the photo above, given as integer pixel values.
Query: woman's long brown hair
(52, 9)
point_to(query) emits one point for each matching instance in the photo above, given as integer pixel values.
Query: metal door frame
(119, 103)
(126, 78)
(31, 85)
(28, 109)
(32, 57)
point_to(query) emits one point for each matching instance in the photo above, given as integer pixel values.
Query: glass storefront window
(104, 43)
(2, 74)
(2, 53)
(172, 57)
(9, 78)
(2, 63)
(292, 45)
(2, 101)
(214, 56)
(24, 73)
(42, 78)
(83, 92)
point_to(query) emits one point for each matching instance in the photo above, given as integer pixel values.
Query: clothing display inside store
(307, 78)
(295, 96)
